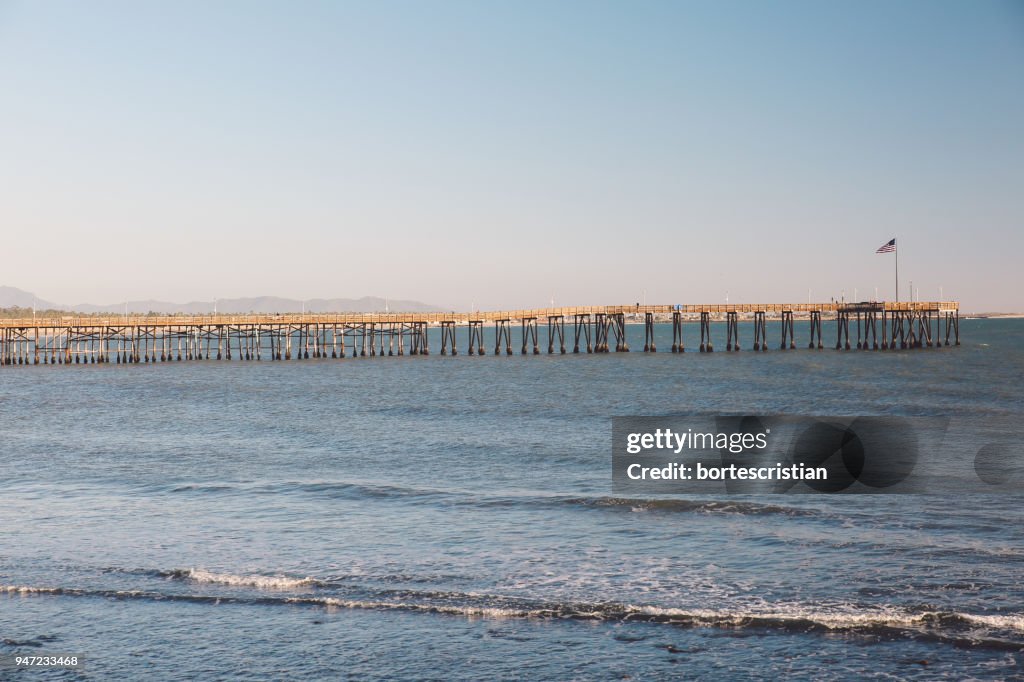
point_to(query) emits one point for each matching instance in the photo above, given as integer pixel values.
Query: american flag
(887, 247)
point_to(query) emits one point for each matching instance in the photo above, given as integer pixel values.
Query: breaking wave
(260, 581)
(993, 631)
(359, 490)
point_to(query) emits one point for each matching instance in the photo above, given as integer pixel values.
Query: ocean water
(453, 518)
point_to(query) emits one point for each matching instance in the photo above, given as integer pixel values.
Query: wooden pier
(597, 329)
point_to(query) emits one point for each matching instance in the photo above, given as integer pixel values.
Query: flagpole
(897, 245)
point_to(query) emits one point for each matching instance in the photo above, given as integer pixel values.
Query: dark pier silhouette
(597, 329)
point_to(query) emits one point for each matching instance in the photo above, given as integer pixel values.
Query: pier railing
(462, 317)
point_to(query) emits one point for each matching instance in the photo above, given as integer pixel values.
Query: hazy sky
(499, 154)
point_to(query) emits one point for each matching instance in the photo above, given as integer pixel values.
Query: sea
(454, 518)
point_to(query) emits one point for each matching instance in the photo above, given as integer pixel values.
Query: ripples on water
(439, 518)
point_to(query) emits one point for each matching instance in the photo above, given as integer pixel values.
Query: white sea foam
(1003, 622)
(261, 581)
(25, 589)
(832, 618)
(835, 618)
(478, 611)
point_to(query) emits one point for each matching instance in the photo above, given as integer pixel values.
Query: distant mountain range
(11, 296)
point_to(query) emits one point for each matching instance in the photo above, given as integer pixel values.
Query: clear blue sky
(500, 154)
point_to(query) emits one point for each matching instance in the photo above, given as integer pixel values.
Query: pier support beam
(732, 331)
(705, 333)
(760, 331)
(419, 341)
(556, 328)
(448, 337)
(912, 340)
(871, 330)
(649, 346)
(601, 323)
(842, 328)
(898, 330)
(677, 332)
(953, 325)
(529, 330)
(788, 338)
(581, 323)
(423, 332)
(618, 327)
(476, 337)
(503, 331)
(815, 324)
(924, 325)
(365, 339)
